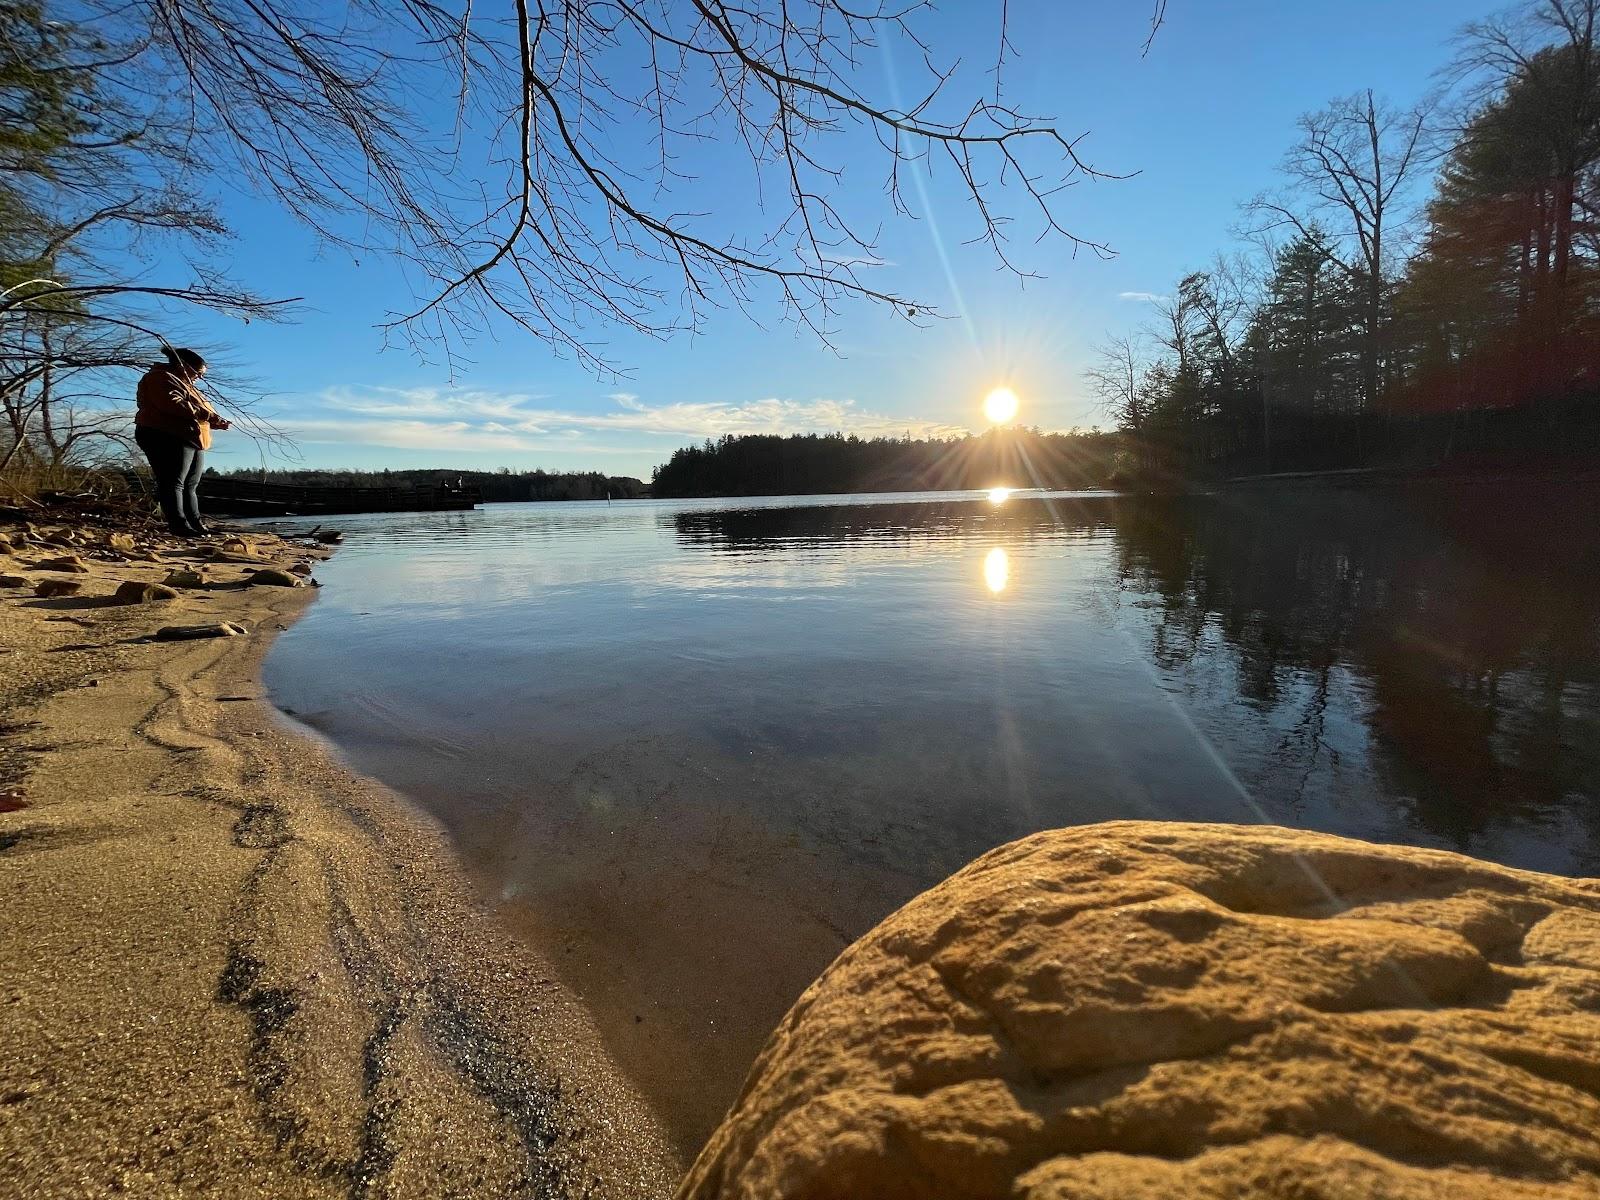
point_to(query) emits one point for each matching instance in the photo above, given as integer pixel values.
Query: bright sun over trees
(537, 164)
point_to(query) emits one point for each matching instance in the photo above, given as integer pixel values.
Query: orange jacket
(171, 404)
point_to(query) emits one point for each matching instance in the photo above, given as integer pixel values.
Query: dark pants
(177, 466)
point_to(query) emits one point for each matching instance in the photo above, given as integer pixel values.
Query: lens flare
(996, 571)
(999, 495)
(1000, 405)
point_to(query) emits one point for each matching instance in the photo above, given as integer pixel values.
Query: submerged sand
(230, 966)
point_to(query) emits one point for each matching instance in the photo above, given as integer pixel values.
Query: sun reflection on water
(996, 570)
(999, 495)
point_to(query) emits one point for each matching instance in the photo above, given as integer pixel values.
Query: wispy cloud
(427, 418)
(1143, 297)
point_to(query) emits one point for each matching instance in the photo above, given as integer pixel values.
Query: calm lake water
(697, 747)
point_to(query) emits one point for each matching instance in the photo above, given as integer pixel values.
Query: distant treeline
(814, 464)
(502, 486)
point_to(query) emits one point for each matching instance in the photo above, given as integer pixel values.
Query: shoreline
(234, 965)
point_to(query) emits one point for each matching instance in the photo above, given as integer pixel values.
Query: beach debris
(275, 578)
(68, 563)
(134, 591)
(184, 578)
(14, 581)
(50, 588)
(183, 633)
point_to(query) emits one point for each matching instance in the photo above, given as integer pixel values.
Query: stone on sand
(122, 543)
(50, 588)
(11, 581)
(67, 563)
(275, 578)
(1144, 1011)
(184, 578)
(181, 633)
(133, 591)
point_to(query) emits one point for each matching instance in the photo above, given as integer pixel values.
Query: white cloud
(427, 418)
(1143, 297)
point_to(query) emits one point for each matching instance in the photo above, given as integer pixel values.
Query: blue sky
(1203, 119)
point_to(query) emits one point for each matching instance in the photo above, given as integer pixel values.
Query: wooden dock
(249, 498)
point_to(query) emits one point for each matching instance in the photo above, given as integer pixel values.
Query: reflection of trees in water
(1467, 618)
(753, 530)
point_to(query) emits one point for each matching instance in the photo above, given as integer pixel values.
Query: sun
(1000, 405)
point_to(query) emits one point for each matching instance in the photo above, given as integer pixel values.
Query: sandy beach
(231, 966)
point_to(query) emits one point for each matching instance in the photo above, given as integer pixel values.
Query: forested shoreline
(502, 486)
(1421, 290)
(812, 464)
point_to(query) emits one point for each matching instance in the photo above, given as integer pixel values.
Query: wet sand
(231, 966)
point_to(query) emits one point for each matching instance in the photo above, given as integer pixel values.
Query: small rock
(61, 537)
(134, 592)
(181, 633)
(69, 563)
(121, 542)
(13, 581)
(275, 578)
(329, 537)
(301, 569)
(149, 556)
(57, 587)
(236, 546)
(184, 579)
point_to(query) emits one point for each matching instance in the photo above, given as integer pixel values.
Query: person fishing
(173, 427)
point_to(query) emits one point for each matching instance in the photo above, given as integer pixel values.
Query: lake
(694, 748)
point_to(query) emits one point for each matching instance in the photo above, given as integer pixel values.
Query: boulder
(49, 588)
(14, 581)
(181, 633)
(1143, 1011)
(183, 578)
(275, 578)
(67, 563)
(135, 592)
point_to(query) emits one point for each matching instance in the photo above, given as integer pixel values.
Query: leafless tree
(1118, 380)
(1350, 176)
(565, 194)
(105, 243)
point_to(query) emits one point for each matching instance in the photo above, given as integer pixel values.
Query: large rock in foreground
(1143, 1011)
